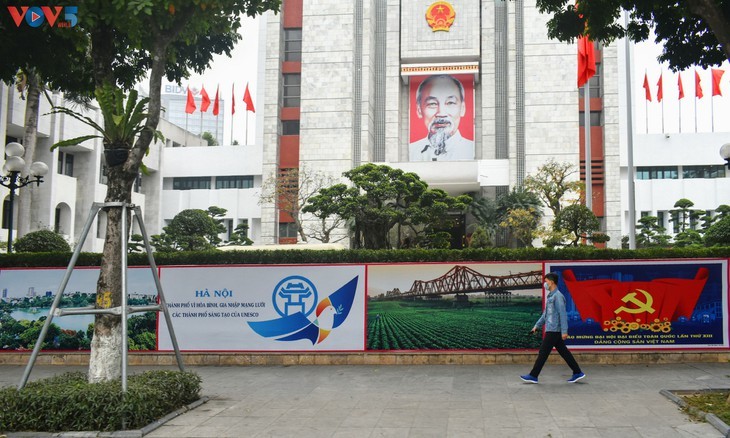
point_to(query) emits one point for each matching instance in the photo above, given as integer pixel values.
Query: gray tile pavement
(435, 401)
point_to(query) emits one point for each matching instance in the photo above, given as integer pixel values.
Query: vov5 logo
(35, 16)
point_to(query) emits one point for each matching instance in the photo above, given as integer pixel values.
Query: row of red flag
(190, 106)
(716, 91)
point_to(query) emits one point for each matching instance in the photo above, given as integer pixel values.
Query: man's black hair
(552, 276)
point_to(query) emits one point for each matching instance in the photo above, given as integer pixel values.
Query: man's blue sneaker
(528, 378)
(575, 377)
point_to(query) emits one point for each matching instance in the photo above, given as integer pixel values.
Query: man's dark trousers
(553, 339)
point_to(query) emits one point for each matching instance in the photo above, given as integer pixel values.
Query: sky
(696, 115)
(238, 70)
(664, 117)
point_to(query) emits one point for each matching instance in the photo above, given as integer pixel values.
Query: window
(657, 172)
(288, 229)
(138, 183)
(292, 89)
(660, 218)
(595, 118)
(689, 172)
(104, 173)
(191, 183)
(292, 44)
(65, 164)
(234, 182)
(645, 213)
(57, 221)
(290, 127)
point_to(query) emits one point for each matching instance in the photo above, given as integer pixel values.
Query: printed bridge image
(463, 309)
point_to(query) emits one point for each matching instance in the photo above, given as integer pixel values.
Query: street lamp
(14, 164)
(725, 153)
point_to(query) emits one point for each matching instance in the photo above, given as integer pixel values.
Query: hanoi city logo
(302, 314)
(35, 16)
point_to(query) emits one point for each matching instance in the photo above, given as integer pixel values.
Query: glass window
(657, 172)
(660, 218)
(234, 182)
(191, 183)
(290, 127)
(595, 118)
(288, 229)
(689, 172)
(292, 89)
(292, 44)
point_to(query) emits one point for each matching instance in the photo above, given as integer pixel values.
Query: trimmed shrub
(42, 241)
(67, 402)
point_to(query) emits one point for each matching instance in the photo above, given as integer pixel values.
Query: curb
(133, 433)
(713, 419)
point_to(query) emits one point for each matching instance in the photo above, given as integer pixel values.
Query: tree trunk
(106, 345)
(32, 103)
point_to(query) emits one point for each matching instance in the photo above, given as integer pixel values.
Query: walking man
(555, 320)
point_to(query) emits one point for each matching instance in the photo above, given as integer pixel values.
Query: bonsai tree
(42, 241)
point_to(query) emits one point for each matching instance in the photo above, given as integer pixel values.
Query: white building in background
(76, 176)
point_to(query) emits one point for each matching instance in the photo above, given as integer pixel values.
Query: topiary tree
(719, 233)
(42, 241)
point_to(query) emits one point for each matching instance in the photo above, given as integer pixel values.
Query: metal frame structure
(122, 310)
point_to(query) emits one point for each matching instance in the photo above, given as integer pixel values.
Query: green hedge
(68, 403)
(367, 256)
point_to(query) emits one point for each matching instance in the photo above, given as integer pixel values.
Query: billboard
(26, 296)
(645, 304)
(265, 308)
(441, 118)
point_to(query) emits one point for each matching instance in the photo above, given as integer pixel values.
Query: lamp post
(13, 180)
(725, 154)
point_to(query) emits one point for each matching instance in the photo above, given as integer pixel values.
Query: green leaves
(123, 121)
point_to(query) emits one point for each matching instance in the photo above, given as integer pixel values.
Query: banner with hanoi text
(645, 304)
(265, 308)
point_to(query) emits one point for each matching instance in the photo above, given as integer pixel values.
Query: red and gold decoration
(440, 16)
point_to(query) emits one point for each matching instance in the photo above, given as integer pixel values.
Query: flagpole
(696, 110)
(680, 116)
(246, 131)
(646, 105)
(630, 142)
(662, 111)
(186, 128)
(712, 111)
(588, 159)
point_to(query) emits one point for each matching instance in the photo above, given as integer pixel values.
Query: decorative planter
(115, 157)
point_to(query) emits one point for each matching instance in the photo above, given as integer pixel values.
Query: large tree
(382, 199)
(692, 32)
(122, 42)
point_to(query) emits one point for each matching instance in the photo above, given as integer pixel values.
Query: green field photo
(479, 306)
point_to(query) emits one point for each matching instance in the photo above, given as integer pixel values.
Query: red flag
(248, 101)
(216, 108)
(190, 106)
(698, 87)
(204, 100)
(660, 89)
(233, 100)
(716, 77)
(586, 60)
(679, 84)
(646, 87)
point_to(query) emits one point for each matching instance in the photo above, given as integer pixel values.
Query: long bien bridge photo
(462, 309)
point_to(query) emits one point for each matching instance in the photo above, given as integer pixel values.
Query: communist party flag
(698, 87)
(190, 105)
(233, 99)
(586, 60)
(716, 77)
(660, 88)
(679, 85)
(248, 101)
(204, 100)
(216, 107)
(646, 87)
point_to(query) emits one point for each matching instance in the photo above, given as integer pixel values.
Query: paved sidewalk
(436, 401)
